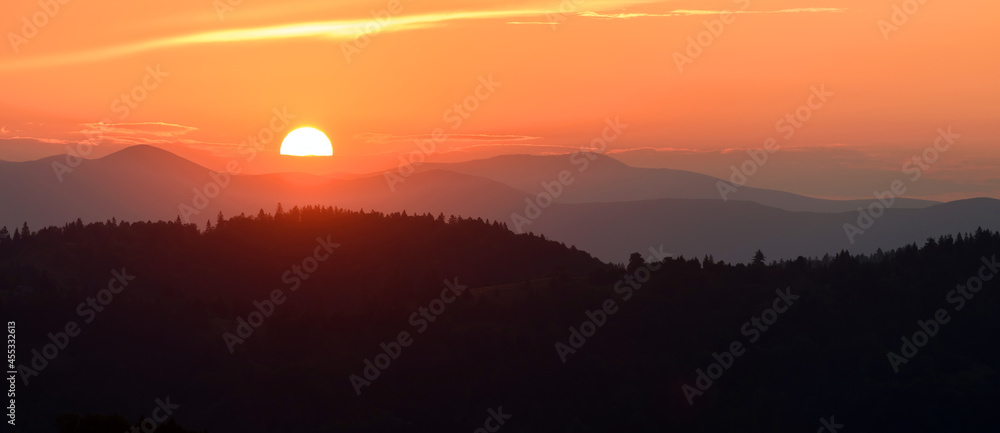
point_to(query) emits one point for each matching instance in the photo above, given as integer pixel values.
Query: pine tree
(635, 261)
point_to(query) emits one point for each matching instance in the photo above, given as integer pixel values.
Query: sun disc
(306, 142)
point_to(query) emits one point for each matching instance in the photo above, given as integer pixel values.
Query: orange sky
(224, 78)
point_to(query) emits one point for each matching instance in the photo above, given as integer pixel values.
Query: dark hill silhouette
(384, 269)
(824, 355)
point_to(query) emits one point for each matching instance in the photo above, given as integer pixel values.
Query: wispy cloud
(336, 30)
(157, 130)
(347, 30)
(556, 149)
(691, 12)
(532, 22)
(151, 133)
(379, 138)
(105, 133)
(39, 140)
(675, 13)
(728, 150)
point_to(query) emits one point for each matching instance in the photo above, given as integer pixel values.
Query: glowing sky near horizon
(197, 79)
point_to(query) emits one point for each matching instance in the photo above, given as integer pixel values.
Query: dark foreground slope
(496, 345)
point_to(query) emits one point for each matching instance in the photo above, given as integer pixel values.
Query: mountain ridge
(144, 184)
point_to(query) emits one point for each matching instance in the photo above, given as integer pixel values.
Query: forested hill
(835, 338)
(369, 252)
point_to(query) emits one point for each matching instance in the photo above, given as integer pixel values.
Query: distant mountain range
(601, 179)
(606, 207)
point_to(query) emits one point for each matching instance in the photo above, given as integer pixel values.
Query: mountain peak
(151, 158)
(141, 151)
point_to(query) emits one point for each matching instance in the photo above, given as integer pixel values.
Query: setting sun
(306, 142)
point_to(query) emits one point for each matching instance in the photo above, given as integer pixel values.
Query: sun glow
(306, 142)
